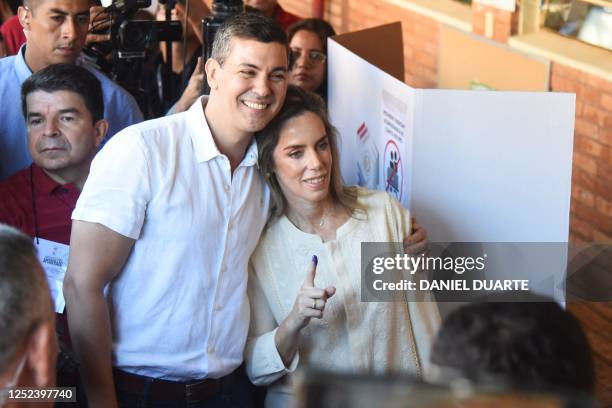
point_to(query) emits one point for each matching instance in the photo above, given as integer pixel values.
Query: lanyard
(34, 212)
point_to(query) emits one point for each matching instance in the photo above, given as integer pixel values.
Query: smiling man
(179, 205)
(55, 32)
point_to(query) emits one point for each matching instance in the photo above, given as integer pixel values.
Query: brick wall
(420, 33)
(591, 215)
(591, 205)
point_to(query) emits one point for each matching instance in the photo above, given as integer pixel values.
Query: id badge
(54, 258)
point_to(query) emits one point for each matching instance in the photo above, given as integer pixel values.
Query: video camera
(131, 38)
(221, 11)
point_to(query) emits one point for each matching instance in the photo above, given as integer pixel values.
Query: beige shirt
(352, 336)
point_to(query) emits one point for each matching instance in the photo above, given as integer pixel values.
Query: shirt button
(229, 226)
(226, 187)
(217, 307)
(210, 349)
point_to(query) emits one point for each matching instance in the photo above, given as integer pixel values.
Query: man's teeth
(255, 105)
(315, 180)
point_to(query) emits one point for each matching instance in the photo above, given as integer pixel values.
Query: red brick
(577, 238)
(594, 217)
(426, 59)
(589, 95)
(596, 115)
(605, 136)
(579, 108)
(599, 236)
(582, 228)
(599, 83)
(587, 145)
(604, 172)
(430, 47)
(604, 206)
(586, 163)
(567, 72)
(559, 83)
(586, 128)
(584, 196)
(606, 101)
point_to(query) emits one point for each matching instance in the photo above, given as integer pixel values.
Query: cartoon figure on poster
(369, 161)
(393, 170)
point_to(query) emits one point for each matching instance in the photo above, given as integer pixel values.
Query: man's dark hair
(66, 77)
(534, 346)
(250, 26)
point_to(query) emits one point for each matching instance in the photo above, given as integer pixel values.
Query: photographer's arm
(90, 269)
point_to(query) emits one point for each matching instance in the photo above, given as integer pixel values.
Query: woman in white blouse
(304, 285)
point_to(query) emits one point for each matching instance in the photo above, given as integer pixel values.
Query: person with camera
(56, 31)
(272, 9)
(160, 315)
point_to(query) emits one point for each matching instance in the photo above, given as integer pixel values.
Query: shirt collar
(21, 68)
(203, 142)
(46, 184)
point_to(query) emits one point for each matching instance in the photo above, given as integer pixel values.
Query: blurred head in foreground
(531, 346)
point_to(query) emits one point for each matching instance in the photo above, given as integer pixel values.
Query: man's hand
(416, 242)
(193, 88)
(99, 21)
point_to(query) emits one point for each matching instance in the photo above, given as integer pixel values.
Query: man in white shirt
(166, 222)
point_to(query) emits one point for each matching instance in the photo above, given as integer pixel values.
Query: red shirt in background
(284, 18)
(54, 204)
(13, 35)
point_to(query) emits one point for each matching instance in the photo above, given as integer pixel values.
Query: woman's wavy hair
(298, 102)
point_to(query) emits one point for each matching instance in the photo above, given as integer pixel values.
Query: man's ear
(212, 68)
(100, 127)
(42, 355)
(24, 17)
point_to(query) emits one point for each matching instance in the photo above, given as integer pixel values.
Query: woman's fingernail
(315, 260)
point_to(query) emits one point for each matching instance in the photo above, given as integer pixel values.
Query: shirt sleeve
(120, 109)
(118, 187)
(264, 364)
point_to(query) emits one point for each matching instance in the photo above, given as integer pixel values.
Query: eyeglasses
(318, 57)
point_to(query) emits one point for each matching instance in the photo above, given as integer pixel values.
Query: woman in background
(314, 310)
(308, 51)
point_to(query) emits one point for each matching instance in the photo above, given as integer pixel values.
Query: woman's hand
(309, 303)
(416, 242)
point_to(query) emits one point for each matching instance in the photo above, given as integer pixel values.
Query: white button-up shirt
(178, 307)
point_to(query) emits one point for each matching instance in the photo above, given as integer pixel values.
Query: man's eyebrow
(247, 65)
(69, 110)
(253, 66)
(34, 114)
(65, 13)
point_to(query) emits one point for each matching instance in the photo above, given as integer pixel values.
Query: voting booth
(472, 166)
